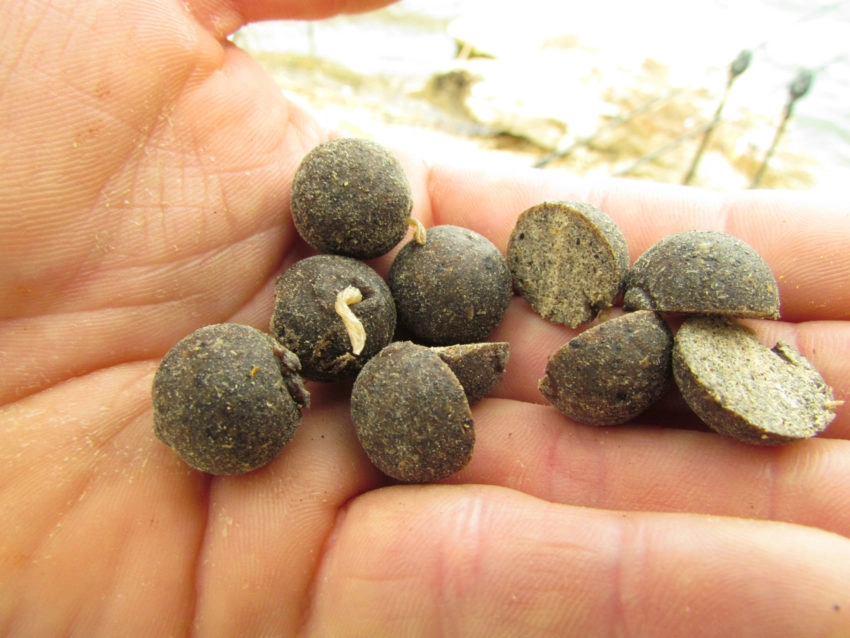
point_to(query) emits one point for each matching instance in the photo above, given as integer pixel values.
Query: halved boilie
(702, 272)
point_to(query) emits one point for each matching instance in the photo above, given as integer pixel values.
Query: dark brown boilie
(477, 366)
(411, 414)
(743, 389)
(351, 197)
(568, 260)
(226, 398)
(611, 372)
(453, 289)
(318, 303)
(702, 272)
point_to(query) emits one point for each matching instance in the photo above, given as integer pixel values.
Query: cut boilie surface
(568, 260)
(743, 389)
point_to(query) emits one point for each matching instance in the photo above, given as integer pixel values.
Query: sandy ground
(559, 105)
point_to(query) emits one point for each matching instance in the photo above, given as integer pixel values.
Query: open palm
(144, 189)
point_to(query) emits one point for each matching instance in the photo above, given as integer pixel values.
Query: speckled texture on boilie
(478, 366)
(568, 260)
(612, 372)
(226, 398)
(305, 320)
(745, 390)
(411, 414)
(351, 197)
(702, 272)
(453, 289)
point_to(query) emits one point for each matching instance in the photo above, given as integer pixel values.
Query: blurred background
(724, 94)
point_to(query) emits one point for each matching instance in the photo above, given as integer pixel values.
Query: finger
(305, 9)
(265, 530)
(535, 449)
(223, 18)
(802, 237)
(478, 561)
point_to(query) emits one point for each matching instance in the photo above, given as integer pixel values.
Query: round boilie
(745, 390)
(306, 320)
(411, 414)
(221, 401)
(568, 260)
(612, 372)
(702, 272)
(351, 197)
(453, 289)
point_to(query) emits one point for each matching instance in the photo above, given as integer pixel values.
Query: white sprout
(419, 234)
(356, 331)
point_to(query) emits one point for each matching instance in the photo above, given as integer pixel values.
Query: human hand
(146, 167)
